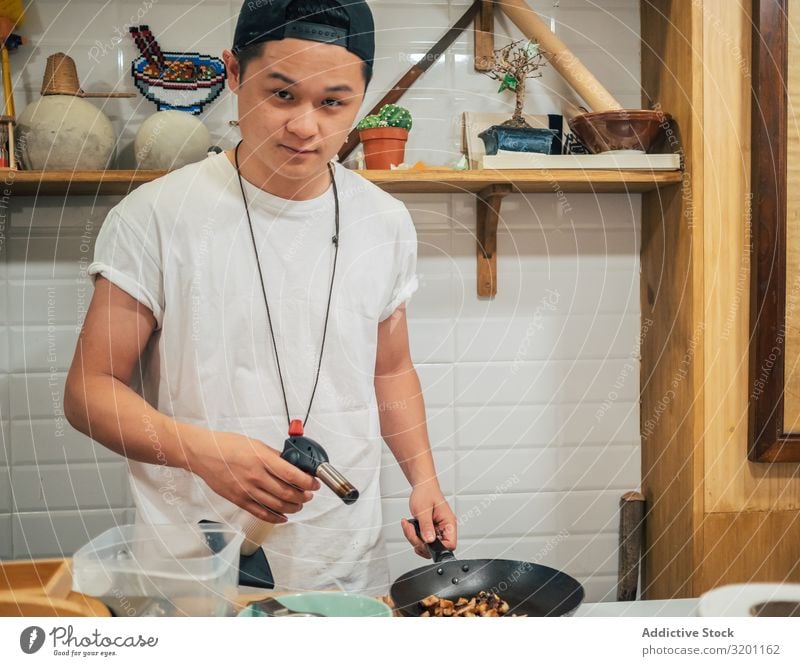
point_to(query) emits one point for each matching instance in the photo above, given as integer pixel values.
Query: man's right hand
(250, 474)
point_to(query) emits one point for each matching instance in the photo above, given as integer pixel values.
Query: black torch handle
(309, 456)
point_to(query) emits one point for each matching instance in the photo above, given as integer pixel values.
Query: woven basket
(61, 78)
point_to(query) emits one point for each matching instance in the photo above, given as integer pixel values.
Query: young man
(227, 304)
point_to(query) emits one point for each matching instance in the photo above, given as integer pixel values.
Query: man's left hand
(430, 508)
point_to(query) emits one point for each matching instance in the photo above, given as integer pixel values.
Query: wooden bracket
(484, 36)
(488, 210)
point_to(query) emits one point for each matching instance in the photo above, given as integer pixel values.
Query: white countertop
(651, 608)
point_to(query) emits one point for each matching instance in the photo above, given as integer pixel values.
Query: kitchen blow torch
(310, 457)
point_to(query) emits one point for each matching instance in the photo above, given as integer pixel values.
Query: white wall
(531, 397)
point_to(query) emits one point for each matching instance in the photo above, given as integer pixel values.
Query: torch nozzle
(329, 475)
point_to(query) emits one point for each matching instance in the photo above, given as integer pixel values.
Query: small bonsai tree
(513, 65)
(390, 115)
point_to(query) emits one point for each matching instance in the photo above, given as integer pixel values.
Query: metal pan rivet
(454, 581)
(440, 571)
(465, 567)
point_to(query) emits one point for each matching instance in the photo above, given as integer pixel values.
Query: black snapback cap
(265, 20)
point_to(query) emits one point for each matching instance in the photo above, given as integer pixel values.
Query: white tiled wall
(531, 397)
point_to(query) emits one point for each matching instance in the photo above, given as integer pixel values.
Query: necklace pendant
(296, 428)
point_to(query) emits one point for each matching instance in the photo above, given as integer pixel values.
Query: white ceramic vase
(170, 140)
(65, 132)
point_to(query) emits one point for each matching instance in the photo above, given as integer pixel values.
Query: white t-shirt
(181, 245)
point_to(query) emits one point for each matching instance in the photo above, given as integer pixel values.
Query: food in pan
(485, 604)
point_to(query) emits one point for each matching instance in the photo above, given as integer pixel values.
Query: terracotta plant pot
(383, 146)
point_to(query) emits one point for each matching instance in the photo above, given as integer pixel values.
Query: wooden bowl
(623, 129)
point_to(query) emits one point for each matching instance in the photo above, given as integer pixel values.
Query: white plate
(737, 600)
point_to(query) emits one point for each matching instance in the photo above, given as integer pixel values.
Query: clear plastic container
(171, 570)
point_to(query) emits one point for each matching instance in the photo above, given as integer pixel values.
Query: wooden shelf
(97, 183)
(488, 185)
(521, 180)
(60, 183)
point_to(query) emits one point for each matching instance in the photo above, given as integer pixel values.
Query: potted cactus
(384, 136)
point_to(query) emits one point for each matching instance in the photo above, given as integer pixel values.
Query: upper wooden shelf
(58, 183)
(522, 180)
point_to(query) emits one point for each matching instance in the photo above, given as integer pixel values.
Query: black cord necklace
(295, 426)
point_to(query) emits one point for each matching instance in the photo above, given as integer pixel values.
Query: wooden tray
(51, 578)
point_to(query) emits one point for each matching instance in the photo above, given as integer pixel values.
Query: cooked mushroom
(483, 604)
(430, 601)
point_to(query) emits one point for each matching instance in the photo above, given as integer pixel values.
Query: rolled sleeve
(124, 255)
(405, 251)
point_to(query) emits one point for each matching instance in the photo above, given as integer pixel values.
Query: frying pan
(530, 589)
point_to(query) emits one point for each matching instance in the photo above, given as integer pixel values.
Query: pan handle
(437, 550)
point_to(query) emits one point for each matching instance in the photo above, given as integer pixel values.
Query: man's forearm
(403, 424)
(117, 417)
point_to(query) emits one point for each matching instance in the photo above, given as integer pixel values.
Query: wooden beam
(484, 37)
(671, 339)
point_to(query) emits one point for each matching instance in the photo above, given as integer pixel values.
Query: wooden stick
(106, 94)
(7, 89)
(9, 110)
(12, 155)
(565, 62)
(631, 532)
(417, 70)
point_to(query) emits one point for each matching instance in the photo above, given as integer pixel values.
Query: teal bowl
(329, 604)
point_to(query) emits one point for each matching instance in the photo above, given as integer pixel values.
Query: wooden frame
(767, 440)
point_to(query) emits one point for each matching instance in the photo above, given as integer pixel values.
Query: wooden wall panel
(758, 546)
(713, 516)
(732, 483)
